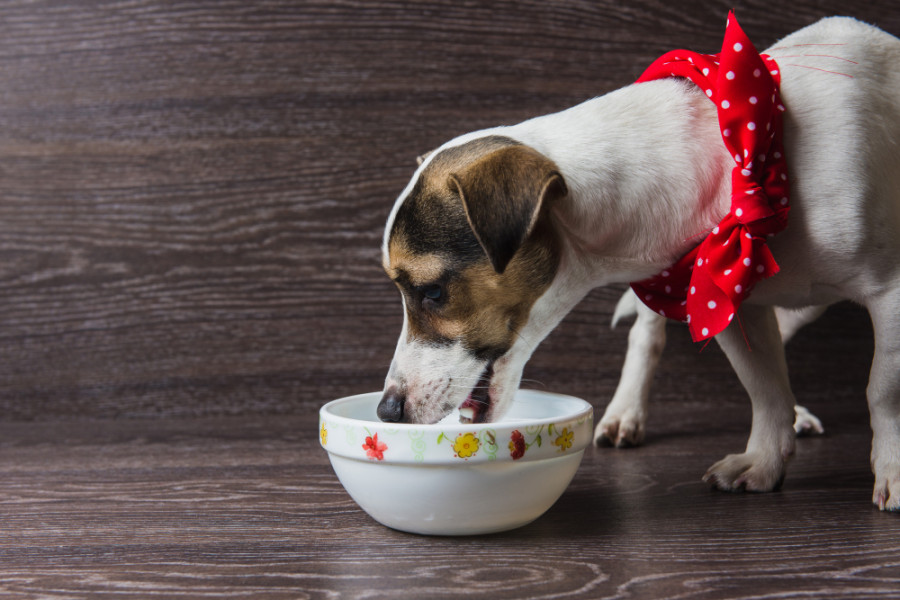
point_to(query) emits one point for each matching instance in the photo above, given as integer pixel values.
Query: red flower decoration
(374, 448)
(516, 445)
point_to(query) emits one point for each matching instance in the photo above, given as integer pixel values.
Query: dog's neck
(648, 176)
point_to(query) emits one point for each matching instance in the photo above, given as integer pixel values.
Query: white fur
(647, 173)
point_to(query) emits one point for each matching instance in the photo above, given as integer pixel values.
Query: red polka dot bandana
(706, 286)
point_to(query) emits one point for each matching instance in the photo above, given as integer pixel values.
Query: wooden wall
(192, 194)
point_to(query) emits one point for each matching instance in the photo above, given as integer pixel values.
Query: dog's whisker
(535, 382)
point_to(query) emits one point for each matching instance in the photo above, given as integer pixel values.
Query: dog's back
(841, 87)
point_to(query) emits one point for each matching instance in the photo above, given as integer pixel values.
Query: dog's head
(470, 247)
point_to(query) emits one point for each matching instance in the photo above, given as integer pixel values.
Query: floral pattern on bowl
(349, 427)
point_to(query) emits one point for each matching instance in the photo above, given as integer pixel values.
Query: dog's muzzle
(476, 408)
(390, 409)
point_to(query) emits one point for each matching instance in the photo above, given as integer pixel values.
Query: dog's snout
(391, 406)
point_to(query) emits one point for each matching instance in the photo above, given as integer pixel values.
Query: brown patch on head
(485, 309)
(476, 305)
(468, 247)
(402, 263)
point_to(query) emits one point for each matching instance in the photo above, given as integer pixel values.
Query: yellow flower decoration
(324, 434)
(466, 445)
(564, 440)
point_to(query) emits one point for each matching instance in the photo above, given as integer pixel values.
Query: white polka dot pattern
(722, 270)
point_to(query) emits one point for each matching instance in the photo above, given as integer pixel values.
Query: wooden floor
(192, 197)
(249, 508)
(236, 508)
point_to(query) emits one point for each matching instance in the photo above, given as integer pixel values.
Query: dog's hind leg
(758, 360)
(883, 393)
(623, 423)
(789, 322)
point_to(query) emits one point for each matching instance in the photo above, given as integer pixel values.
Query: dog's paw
(751, 471)
(621, 431)
(887, 491)
(806, 423)
(887, 495)
(886, 467)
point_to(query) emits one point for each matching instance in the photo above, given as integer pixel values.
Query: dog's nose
(391, 406)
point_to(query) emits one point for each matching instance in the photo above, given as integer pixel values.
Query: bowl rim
(579, 417)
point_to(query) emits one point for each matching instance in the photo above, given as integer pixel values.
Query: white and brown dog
(501, 232)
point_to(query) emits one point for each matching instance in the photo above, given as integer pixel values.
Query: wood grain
(238, 508)
(192, 194)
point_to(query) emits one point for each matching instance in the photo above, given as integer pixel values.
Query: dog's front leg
(883, 394)
(623, 423)
(759, 363)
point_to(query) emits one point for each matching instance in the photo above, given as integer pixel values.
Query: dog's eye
(432, 294)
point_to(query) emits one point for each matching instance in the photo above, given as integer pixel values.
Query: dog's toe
(630, 434)
(621, 433)
(602, 440)
(607, 434)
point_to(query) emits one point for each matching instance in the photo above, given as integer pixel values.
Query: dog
(501, 232)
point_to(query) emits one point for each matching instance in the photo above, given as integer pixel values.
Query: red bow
(705, 287)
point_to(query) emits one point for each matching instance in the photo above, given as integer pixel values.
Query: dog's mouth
(476, 406)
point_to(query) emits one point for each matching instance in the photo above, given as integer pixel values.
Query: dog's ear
(421, 158)
(502, 195)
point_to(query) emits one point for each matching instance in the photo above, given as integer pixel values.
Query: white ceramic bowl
(456, 479)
